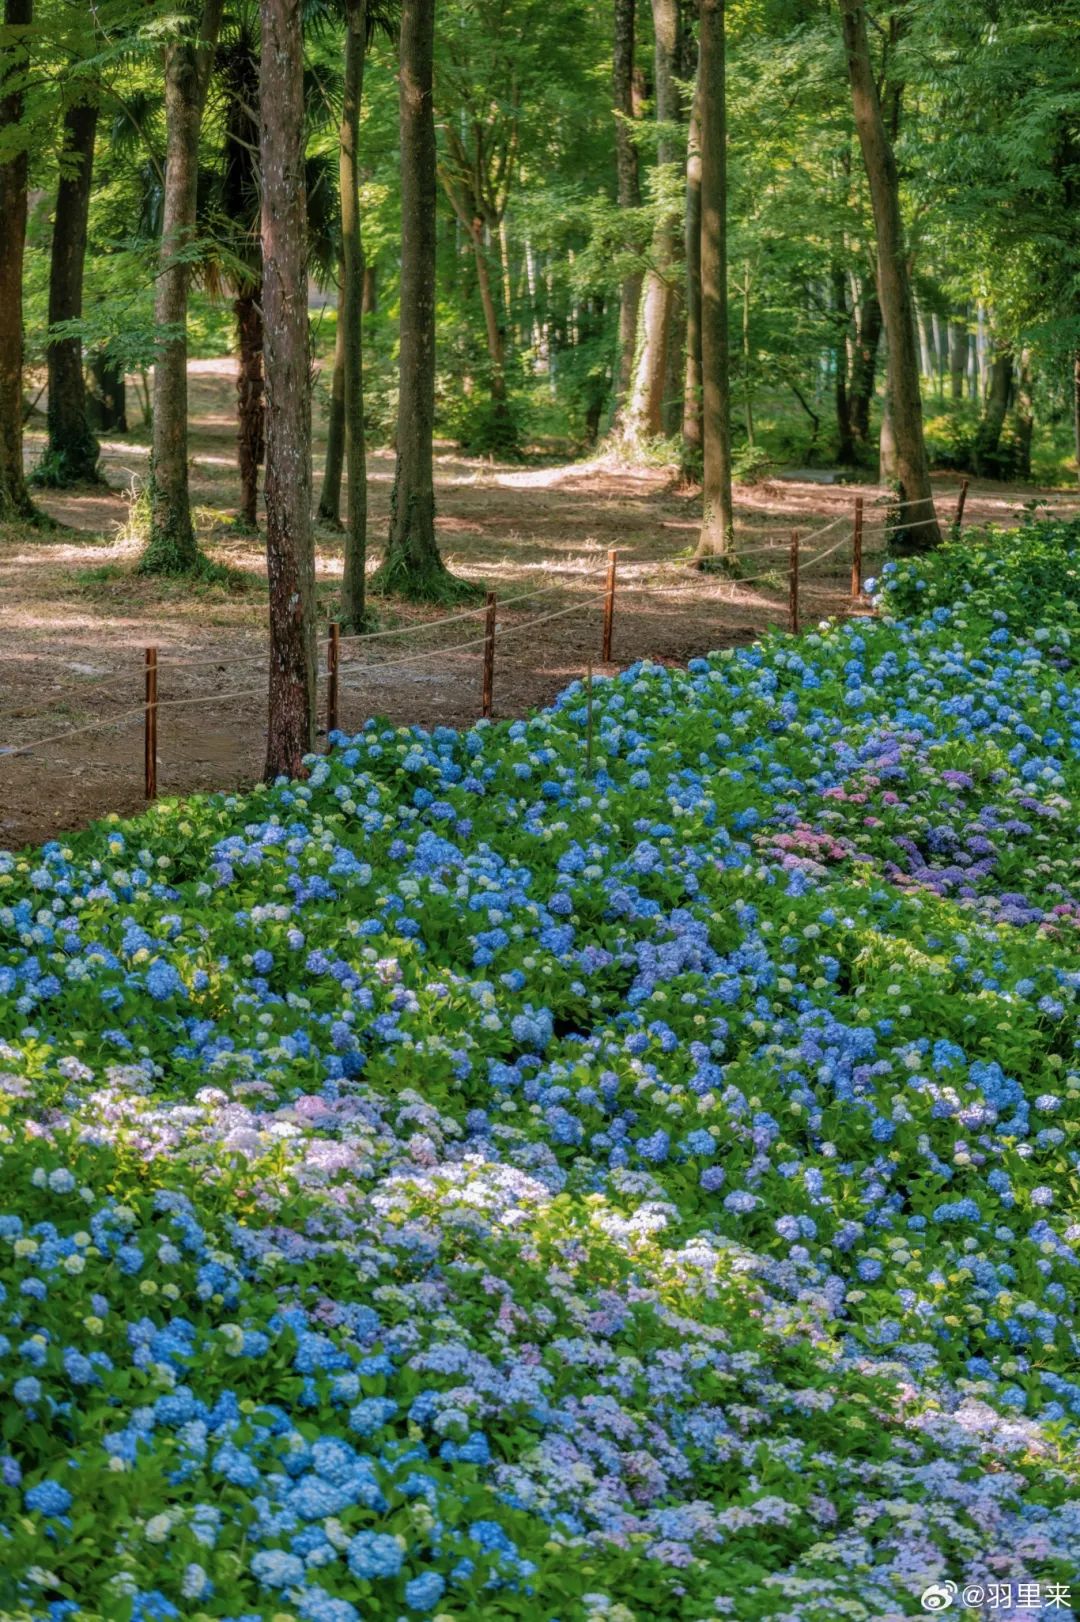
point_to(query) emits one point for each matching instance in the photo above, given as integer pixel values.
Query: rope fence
(795, 565)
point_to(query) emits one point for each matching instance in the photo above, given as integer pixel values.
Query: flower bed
(460, 1186)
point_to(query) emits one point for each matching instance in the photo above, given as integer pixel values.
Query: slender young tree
(691, 414)
(716, 542)
(72, 456)
(290, 551)
(916, 527)
(350, 315)
(628, 182)
(644, 417)
(189, 60)
(14, 499)
(329, 509)
(412, 564)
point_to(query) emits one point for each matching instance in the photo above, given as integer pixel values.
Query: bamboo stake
(488, 692)
(793, 585)
(961, 501)
(150, 727)
(588, 720)
(609, 606)
(333, 666)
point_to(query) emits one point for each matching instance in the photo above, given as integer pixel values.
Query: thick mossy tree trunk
(999, 394)
(717, 540)
(14, 499)
(172, 548)
(628, 186)
(644, 415)
(412, 564)
(250, 404)
(916, 527)
(72, 456)
(691, 412)
(290, 550)
(329, 511)
(350, 317)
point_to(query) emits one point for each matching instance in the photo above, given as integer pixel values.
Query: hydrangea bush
(463, 1186)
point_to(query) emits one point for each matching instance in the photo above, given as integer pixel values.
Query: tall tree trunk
(106, 402)
(1076, 411)
(941, 346)
(747, 378)
(172, 548)
(14, 498)
(351, 311)
(691, 416)
(998, 395)
(644, 416)
(73, 449)
(888, 466)
(329, 512)
(1024, 417)
(412, 564)
(493, 331)
(628, 185)
(718, 518)
(864, 364)
(290, 552)
(370, 300)
(845, 442)
(958, 357)
(917, 527)
(250, 436)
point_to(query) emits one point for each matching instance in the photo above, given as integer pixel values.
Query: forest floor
(76, 616)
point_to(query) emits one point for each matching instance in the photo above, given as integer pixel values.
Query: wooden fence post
(960, 503)
(793, 585)
(333, 665)
(856, 551)
(489, 658)
(609, 606)
(150, 727)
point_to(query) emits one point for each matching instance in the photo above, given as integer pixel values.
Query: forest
(539, 810)
(718, 239)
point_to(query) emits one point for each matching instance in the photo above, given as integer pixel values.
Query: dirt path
(76, 618)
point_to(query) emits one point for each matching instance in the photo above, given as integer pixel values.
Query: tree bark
(988, 434)
(329, 512)
(645, 407)
(370, 301)
(959, 342)
(250, 405)
(290, 553)
(14, 498)
(917, 527)
(864, 365)
(350, 314)
(172, 548)
(845, 439)
(106, 395)
(73, 449)
(412, 564)
(1076, 411)
(1024, 417)
(718, 519)
(628, 185)
(691, 415)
